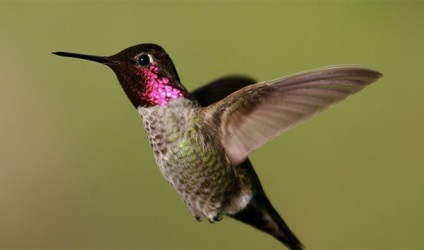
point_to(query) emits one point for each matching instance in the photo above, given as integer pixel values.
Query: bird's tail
(260, 214)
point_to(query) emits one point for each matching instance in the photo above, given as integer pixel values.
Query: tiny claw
(218, 217)
(198, 218)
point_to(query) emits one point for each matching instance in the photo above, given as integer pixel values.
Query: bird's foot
(217, 217)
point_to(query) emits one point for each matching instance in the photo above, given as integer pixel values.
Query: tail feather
(261, 215)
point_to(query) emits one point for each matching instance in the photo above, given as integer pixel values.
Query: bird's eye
(144, 60)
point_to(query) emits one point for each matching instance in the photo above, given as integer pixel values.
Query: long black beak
(99, 59)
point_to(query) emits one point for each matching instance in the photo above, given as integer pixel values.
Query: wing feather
(253, 115)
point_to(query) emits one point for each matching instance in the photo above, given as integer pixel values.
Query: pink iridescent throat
(158, 90)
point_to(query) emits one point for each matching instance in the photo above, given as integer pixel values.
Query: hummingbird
(201, 140)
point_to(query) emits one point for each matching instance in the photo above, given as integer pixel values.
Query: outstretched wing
(250, 117)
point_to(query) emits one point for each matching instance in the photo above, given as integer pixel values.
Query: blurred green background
(76, 170)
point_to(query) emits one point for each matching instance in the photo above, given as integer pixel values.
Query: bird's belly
(201, 175)
(199, 172)
(192, 160)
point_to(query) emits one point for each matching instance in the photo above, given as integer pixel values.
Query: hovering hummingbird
(201, 140)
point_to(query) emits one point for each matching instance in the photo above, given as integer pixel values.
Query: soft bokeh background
(76, 170)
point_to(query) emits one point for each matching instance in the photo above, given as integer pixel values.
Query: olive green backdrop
(76, 170)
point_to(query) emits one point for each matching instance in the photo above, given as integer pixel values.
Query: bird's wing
(250, 117)
(220, 88)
